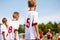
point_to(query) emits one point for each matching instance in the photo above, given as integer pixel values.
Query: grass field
(55, 37)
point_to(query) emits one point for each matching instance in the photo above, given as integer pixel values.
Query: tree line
(55, 27)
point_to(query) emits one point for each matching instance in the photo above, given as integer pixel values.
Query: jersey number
(28, 23)
(10, 29)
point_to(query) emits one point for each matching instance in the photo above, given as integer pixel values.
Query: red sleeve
(3, 32)
(34, 24)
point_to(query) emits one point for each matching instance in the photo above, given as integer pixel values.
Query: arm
(35, 23)
(3, 33)
(15, 34)
(37, 32)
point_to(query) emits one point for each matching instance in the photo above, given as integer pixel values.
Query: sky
(48, 10)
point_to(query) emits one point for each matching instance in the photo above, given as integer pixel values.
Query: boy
(13, 27)
(31, 22)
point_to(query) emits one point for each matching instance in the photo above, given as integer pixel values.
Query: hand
(4, 38)
(38, 37)
(15, 39)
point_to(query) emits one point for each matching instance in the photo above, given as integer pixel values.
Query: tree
(58, 28)
(55, 27)
(49, 25)
(41, 27)
(21, 29)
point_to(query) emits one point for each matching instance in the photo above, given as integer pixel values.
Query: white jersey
(12, 26)
(31, 18)
(3, 29)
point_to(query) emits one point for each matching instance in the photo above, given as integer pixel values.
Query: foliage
(21, 29)
(55, 27)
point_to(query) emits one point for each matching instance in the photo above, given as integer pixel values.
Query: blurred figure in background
(59, 36)
(41, 35)
(49, 35)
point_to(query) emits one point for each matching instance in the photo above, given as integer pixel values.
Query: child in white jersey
(4, 29)
(13, 27)
(31, 22)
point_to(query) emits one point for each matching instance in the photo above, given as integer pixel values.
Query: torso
(29, 29)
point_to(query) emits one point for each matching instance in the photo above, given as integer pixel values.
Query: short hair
(4, 20)
(15, 14)
(31, 3)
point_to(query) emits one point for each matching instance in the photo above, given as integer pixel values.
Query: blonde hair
(31, 3)
(15, 14)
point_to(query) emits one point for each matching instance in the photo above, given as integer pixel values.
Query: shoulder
(3, 27)
(36, 12)
(28, 13)
(17, 22)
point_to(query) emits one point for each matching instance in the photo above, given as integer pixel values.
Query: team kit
(9, 31)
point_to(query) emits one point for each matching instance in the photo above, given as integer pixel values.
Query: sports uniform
(13, 25)
(49, 36)
(4, 30)
(31, 19)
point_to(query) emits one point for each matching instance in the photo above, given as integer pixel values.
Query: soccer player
(4, 29)
(31, 22)
(13, 27)
(49, 35)
(41, 35)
